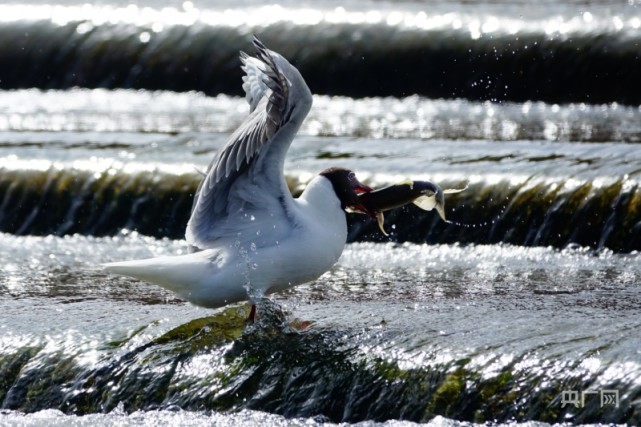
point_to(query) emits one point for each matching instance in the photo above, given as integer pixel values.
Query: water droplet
(253, 247)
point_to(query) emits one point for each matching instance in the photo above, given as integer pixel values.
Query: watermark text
(607, 397)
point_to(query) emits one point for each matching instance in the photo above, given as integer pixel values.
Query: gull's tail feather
(200, 277)
(180, 274)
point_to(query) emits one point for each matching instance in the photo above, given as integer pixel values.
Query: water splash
(489, 222)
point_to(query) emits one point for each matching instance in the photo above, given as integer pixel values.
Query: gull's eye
(351, 176)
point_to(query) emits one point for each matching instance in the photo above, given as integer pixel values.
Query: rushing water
(513, 50)
(397, 331)
(526, 304)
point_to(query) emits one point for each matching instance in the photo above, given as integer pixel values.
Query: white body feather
(237, 270)
(250, 235)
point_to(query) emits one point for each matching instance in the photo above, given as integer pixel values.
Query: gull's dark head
(347, 188)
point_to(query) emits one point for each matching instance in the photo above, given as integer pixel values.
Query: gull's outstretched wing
(244, 194)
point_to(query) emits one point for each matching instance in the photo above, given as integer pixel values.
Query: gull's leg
(252, 315)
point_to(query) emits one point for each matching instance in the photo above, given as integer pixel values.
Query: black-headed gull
(249, 236)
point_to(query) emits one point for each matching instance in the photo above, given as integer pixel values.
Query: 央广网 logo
(577, 398)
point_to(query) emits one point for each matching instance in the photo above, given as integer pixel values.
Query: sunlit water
(433, 333)
(384, 139)
(99, 110)
(554, 316)
(53, 418)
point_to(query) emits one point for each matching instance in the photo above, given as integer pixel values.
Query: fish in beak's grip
(424, 194)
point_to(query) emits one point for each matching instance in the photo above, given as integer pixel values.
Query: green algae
(207, 332)
(42, 382)
(120, 342)
(217, 363)
(11, 366)
(449, 393)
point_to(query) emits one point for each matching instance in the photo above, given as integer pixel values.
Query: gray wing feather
(229, 185)
(253, 83)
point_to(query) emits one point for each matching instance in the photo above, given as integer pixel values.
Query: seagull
(248, 236)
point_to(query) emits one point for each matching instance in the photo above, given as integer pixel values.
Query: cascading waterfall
(522, 310)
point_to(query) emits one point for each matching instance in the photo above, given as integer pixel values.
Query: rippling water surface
(518, 325)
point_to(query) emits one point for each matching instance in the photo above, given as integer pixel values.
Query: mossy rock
(207, 332)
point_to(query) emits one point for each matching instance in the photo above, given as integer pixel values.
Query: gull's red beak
(361, 188)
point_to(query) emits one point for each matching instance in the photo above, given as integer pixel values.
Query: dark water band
(356, 60)
(63, 202)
